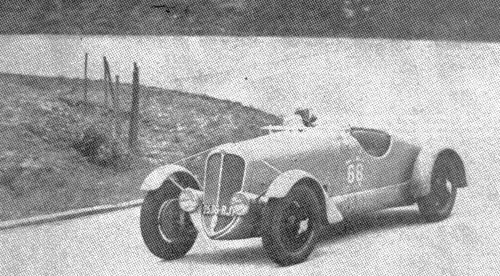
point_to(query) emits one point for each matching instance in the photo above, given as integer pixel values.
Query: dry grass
(43, 125)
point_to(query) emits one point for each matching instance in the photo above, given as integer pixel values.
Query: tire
(167, 231)
(290, 226)
(437, 205)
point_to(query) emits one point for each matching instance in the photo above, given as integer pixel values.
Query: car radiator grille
(224, 177)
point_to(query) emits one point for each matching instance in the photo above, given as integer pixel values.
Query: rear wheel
(166, 230)
(437, 205)
(290, 226)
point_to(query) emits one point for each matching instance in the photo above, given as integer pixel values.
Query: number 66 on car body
(284, 186)
(354, 172)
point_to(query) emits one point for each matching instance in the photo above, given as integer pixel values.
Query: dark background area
(469, 20)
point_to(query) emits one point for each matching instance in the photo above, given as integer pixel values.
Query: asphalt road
(392, 242)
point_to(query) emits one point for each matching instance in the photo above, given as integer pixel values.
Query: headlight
(189, 200)
(240, 204)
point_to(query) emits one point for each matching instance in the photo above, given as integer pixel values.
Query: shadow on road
(353, 228)
(244, 255)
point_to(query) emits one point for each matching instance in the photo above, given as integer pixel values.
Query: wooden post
(109, 85)
(116, 107)
(109, 81)
(117, 94)
(105, 78)
(85, 81)
(134, 112)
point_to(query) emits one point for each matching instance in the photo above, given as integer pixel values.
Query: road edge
(71, 214)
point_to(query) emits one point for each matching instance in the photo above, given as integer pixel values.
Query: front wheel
(437, 205)
(290, 226)
(166, 230)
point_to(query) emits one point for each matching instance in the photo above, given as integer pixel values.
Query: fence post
(109, 84)
(117, 106)
(105, 82)
(85, 81)
(134, 112)
(116, 102)
(109, 81)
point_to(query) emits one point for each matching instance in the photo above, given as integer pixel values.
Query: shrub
(102, 150)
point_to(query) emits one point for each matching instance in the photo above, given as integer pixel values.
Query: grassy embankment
(415, 19)
(57, 153)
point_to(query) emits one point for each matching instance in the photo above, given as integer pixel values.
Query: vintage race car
(286, 185)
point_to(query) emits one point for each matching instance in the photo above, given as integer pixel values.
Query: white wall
(367, 79)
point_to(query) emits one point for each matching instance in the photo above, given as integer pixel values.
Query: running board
(375, 199)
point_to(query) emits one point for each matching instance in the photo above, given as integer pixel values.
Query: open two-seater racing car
(284, 186)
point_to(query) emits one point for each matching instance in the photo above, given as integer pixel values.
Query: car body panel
(326, 156)
(374, 199)
(285, 181)
(158, 176)
(422, 169)
(275, 162)
(351, 175)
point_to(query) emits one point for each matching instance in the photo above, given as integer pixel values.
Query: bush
(8, 178)
(101, 150)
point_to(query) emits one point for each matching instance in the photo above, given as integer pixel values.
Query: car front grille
(223, 177)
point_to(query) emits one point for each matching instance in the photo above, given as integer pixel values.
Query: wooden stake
(134, 112)
(117, 94)
(109, 81)
(117, 106)
(105, 80)
(85, 81)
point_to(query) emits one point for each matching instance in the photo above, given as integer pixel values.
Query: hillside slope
(59, 153)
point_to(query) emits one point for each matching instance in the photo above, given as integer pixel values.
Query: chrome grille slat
(212, 178)
(224, 176)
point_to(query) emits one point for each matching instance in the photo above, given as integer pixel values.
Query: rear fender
(284, 182)
(179, 177)
(424, 164)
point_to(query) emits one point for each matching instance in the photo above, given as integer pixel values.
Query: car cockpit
(374, 142)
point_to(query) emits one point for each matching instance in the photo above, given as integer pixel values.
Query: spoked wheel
(290, 226)
(167, 231)
(437, 205)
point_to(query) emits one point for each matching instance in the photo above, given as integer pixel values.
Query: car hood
(268, 156)
(283, 144)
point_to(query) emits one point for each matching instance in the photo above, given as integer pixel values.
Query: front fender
(284, 182)
(177, 174)
(424, 164)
